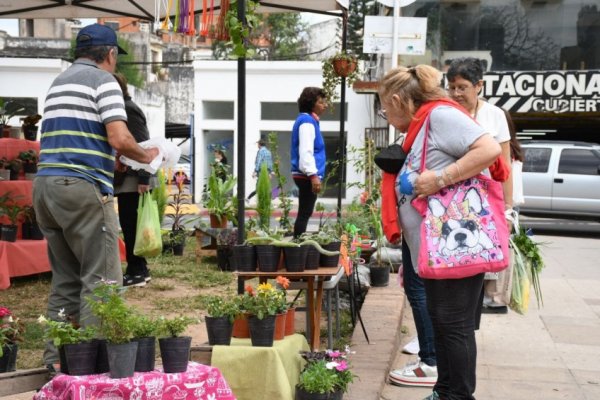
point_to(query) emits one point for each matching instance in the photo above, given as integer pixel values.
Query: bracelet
(458, 170)
(448, 176)
(440, 179)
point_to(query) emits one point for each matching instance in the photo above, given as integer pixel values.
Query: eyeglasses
(382, 114)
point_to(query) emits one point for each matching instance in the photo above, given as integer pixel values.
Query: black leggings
(128, 204)
(306, 205)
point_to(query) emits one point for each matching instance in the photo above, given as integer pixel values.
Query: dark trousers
(306, 205)
(128, 204)
(453, 306)
(415, 293)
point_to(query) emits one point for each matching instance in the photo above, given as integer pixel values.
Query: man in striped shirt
(84, 123)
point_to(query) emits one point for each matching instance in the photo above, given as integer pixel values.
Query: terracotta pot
(343, 67)
(240, 327)
(215, 223)
(279, 333)
(290, 321)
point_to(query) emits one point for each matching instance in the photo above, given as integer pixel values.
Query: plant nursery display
(11, 332)
(326, 375)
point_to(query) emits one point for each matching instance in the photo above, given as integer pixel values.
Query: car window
(536, 159)
(579, 161)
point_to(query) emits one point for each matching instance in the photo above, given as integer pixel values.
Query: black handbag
(391, 158)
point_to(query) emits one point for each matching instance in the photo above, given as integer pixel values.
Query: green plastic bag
(148, 240)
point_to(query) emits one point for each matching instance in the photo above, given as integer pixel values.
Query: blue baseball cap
(97, 35)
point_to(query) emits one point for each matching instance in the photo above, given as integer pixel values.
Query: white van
(561, 178)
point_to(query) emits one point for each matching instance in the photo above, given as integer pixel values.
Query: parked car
(183, 167)
(561, 179)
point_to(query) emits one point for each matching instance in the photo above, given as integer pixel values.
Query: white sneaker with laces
(414, 374)
(412, 347)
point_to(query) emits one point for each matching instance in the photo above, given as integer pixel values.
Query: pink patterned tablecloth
(198, 382)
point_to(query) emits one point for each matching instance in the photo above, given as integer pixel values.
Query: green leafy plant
(9, 109)
(263, 192)
(144, 326)
(218, 199)
(160, 194)
(116, 317)
(218, 306)
(285, 203)
(528, 265)
(239, 31)
(11, 329)
(28, 157)
(331, 78)
(174, 327)
(326, 371)
(65, 331)
(31, 120)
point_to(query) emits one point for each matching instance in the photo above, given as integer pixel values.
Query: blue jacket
(318, 146)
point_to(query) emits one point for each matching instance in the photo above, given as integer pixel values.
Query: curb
(382, 314)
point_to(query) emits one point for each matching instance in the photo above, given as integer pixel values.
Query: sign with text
(546, 91)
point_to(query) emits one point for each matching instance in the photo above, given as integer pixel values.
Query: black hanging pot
(175, 353)
(330, 261)
(243, 258)
(219, 330)
(268, 257)
(80, 358)
(146, 354)
(262, 330)
(121, 359)
(295, 258)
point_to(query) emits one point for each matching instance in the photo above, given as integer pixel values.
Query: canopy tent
(145, 9)
(153, 10)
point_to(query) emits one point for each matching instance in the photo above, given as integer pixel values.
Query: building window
(287, 111)
(217, 109)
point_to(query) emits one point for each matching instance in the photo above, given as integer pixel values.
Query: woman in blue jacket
(308, 154)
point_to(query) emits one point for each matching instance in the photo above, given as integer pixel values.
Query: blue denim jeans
(415, 292)
(455, 306)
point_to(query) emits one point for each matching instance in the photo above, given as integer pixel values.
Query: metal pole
(395, 29)
(342, 136)
(241, 136)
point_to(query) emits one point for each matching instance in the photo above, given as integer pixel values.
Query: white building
(272, 89)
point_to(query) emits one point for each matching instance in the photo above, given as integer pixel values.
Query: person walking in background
(457, 149)
(129, 185)
(465, 82)
(220, 164)
(84, 123)
(263, 155)
(308, 154)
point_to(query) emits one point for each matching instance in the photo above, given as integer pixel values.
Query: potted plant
(180, 205)
(219, 322)
(219, 201)
(29, 160)
(76, 348)
(8, 109)
(336, 67)
(290, 315)
(13, 211)
(226, 239)
(11, 332)
(174, 348)
(29, 126)
(116, 326)
(30, 228)
(15, 165)
(144, 333)
(326, 375)
(262, 305)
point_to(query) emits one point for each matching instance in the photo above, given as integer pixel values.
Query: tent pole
(241, 132)
(342, 137)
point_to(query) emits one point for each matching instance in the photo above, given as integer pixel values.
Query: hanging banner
(546, 91)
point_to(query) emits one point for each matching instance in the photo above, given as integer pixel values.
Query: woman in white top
(465, 82)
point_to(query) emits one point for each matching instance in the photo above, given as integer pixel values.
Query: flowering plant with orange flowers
(265, 300)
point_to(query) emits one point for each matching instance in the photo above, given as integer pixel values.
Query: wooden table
(314, 303)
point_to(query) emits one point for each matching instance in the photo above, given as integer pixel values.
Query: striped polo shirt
(74, 142)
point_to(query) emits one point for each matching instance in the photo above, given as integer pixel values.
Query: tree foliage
(356, 25)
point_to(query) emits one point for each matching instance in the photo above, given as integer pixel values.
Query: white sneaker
(414, 374)
(412, 347)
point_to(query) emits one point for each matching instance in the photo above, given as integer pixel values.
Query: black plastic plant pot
(380, 275)
(302, 394)
(102, 357)
(262, 330)
(80, 358)
(330, 261)
(295, 258)
(243, 257)
(8, 361)
(9, 233)
(268, 257)
(178, 249)
(175, 353)
(146, 354)
(313, 258)
(121, 359)
(219, 330)
(223, 258)
(35, 233)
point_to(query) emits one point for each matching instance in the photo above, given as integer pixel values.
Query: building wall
(265, 82)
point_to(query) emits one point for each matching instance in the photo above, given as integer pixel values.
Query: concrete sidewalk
(550, 353)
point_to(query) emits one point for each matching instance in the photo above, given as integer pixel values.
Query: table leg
(317, 316)
(310, 311)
